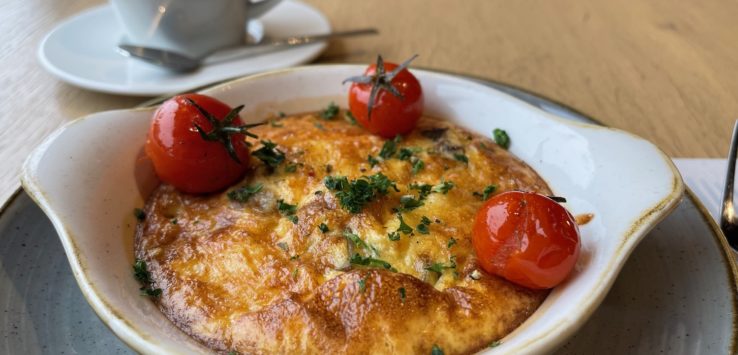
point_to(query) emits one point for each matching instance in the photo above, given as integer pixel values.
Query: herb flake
(323, 228)
(242, 194)
(143, 276)
(372, 161)
(287, 210)
(357, 241)
(444, 187)
(451, 242)
(404, 228)
(393, 236)
(489, 190)
(422, 227)
(461, 157)
(290, 168)
(439, 267)
(371, 262)
(348, 116)
(501, 138)
(418, 165)
(403, 294)
(269, 154)
(139, 214)
(436, 350)
(329, 112)
(389, 148)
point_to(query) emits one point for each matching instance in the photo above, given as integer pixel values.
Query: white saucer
(82, 51)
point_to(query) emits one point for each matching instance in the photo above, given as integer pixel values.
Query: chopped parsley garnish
(439, 267)
(451, 242)
(501, 138)
(393, 236)
(362, 285)
(423, 189)
(489, 190)
(294, 273)
(329, 112)
(404, 228)
(139, 214)
(336, 182)
(422, 227)
(353, 195)
(151, 292)
(144, 278)
(409, 203)
(389, 148)
(269, 154)
(372, 161)
(323, 228)
(233, 352)
(461, 157)
(287, 210)
(401, 290)
(281, 114)
(290, 168)
(418, 165)
(348, 116)
(295, 257)
(371, 262)
(357, 241)
(274, 123)
(140, 273)
(174, 221)
(436, 350)
(328, 168)
(494, 344)
(319, 126)
(444, 187)
(242, 194)
(558, 199)
(407, 153)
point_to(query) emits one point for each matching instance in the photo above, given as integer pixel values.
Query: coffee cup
(190, 27)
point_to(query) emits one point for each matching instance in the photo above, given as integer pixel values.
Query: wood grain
(665, 70)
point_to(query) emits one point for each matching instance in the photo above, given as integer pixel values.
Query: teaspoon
(183, 63)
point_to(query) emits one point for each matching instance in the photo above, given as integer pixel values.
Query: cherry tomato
(527, 238)
(391, 115)
(182, 157)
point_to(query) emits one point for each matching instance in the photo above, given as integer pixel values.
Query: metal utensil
(182, 63)
(728, 222)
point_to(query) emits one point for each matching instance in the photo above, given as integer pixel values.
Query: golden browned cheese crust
(242, 277)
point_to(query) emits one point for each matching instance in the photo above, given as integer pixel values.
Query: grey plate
(675, 295)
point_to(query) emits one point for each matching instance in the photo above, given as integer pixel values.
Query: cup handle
(258, 8)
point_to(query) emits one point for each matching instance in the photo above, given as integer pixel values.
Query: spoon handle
(298, 40)
(268, 46)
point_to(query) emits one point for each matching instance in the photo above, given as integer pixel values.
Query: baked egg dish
(351, 244)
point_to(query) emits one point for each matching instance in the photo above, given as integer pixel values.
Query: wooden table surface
(665, 70)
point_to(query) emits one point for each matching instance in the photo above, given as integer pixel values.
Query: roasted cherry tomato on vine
(197, 143)
(527, 238)
(387, 100)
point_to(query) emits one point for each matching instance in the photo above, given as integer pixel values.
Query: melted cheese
(242, 277)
